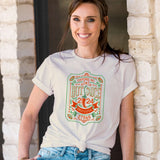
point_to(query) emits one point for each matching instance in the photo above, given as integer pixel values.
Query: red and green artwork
(85, 98)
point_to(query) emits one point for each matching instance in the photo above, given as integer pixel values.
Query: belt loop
(63, 151)
(89, 154)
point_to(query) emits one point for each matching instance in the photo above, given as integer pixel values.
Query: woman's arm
(28, 121)
(126, 127)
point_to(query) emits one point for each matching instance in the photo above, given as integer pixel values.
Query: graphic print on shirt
(85, 98)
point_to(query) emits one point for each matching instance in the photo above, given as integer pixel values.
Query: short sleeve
(43, 77)
(129, 82)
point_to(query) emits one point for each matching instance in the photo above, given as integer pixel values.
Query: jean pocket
(50, 153)
(100, 156)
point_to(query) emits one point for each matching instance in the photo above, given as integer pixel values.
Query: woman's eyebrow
(86, 17)
(74, 16)
(92, 17)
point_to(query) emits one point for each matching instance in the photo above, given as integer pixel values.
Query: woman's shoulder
(123, 58)
(58, 56)
(126, 62)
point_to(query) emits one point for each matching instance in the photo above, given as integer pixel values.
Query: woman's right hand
(35, 158)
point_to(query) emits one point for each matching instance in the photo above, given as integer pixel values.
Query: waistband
(63, 151)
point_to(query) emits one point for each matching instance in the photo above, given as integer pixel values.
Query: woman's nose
(83, 24)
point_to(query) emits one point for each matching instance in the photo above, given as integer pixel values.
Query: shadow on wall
(1, 108)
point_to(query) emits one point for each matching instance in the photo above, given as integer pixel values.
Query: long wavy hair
(103, 45)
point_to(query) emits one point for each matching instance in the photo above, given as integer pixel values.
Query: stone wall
(17, 52)
(144, 44)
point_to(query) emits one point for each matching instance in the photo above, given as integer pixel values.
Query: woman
(93, 88)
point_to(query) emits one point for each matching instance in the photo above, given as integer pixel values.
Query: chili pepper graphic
(84, 98)
(84, 111)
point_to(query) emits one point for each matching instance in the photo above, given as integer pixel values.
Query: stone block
(146, 142)
(10, 67)
(8, 50)
(8, 14)
(17, 50)
(140, 157)
(18, 67)
(14, 13)
(159, 63)
(158, 111)
(136, 7)
(146, 71)
(26, 49)
(139, 26)
(145, 118)
(11, 88)
(15, 2)
(10, 132)
(20, 31)
(146, 95)
(25, 1)
(156, 27)
(157, 6)
(25, 12)
(7, 2)
(12, 110)
(8, 32)
(16, 88)
(25, 31)
(10, 152)
(158, 88)
(25, 88)
(143, 49)
(158, 155)
(27, 66)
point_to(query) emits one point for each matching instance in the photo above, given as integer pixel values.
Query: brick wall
(144, 44)
(17, 68)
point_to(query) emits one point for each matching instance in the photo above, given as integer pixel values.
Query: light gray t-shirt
(88, 94)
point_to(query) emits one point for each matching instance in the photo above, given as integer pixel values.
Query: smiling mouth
(84, 35)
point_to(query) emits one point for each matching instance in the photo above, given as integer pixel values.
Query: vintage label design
(85, 98)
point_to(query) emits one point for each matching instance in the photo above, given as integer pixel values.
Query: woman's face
(85, 24)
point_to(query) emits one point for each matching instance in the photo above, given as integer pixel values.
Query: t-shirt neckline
(85, 59)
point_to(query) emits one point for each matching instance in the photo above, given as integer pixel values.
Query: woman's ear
(106, 21)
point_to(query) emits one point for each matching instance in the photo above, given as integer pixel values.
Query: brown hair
(103, 44)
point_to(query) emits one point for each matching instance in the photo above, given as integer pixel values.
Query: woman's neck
(85, 52)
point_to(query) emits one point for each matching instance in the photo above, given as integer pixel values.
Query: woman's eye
(91, 20)
(76, 19)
